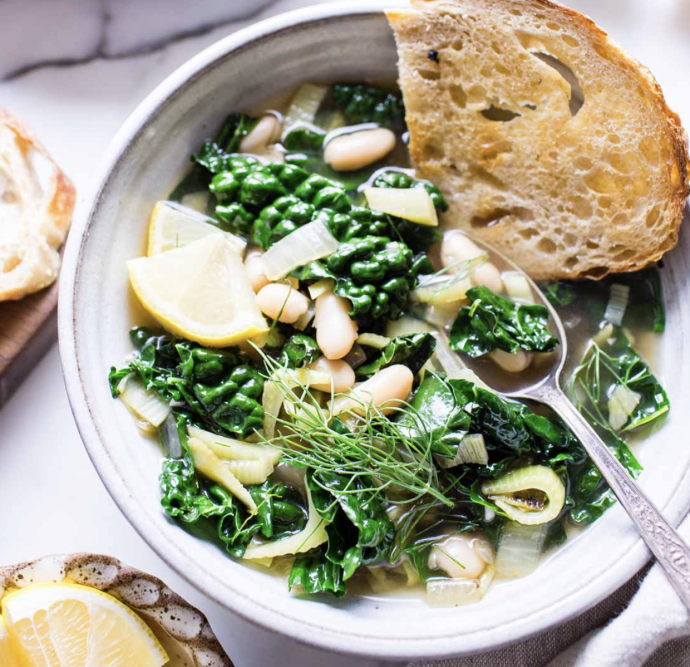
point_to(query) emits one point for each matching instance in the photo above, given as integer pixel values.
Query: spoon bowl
(669, 548)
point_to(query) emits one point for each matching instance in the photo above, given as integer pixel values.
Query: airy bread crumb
(36, 204)
(549, 141)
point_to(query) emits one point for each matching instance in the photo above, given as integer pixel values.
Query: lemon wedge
(175, 226)
(68, 624)
(6, 655)
(200, 292)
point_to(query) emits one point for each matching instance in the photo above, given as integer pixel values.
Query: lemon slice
(67, 624)
(175, 226)
(7, 658)
(200, 292)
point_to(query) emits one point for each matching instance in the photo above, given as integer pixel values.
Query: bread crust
(676, 189)
(29, 259)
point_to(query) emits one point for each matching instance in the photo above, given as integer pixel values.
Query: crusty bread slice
(549, 140)
(36, 204)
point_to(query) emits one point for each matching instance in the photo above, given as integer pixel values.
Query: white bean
(254, 266)
(343, 377)
(489, 276)
(458, 248)
(335, 331)
(265, 131)
(388, 387)
(514, 362)
(459, 556)
(282, 302)
(348, 152)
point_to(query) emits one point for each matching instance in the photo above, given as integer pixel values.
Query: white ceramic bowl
(151, 151)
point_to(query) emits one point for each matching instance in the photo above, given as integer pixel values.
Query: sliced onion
(618, 303)
(250, 472)
(321, 287)
(513, 492)
(519, 550)
(209, 465)
(373, 340)
(305, 104)
(230, 449)
(622, 403)
(456, 592)
(413, 204)
(306, 244)
(147, 406)
(313, 535)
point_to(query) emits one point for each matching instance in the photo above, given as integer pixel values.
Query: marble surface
(73, 70)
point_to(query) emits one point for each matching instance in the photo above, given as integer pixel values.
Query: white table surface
(51, 498)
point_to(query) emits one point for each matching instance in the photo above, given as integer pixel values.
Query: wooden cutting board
(28, 328)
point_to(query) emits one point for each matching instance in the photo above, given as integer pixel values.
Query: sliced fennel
(413, 204)
(517, 287)
(472, 449)
(321, 287)
(519, 550)
(208, 464)
(250, 472)
(373, 340)
(307, 244)
(313, 535)
(230, 449)
(147, 406)
(406, 325)
(282, 381)
(530, 495)
(456, 592)
(622, 404)
(305, 104)
(618, 303)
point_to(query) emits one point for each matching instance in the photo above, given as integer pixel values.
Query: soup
(308, 381)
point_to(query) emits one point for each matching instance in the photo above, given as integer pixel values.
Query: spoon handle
(669, 548)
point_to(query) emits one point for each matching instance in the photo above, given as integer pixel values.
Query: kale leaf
(376, 275)
(359, 532)
(412, 350)
(492, 321)
(559, 293)
(299, 351)
(604, 367)
(364, 103)
(210, 511)
(221, 388)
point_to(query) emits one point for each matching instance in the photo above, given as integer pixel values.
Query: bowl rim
(592, 592)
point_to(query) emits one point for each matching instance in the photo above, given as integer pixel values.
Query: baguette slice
(36, 204)
(549, 141)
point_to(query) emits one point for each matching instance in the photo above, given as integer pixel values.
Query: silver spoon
(668, 547)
